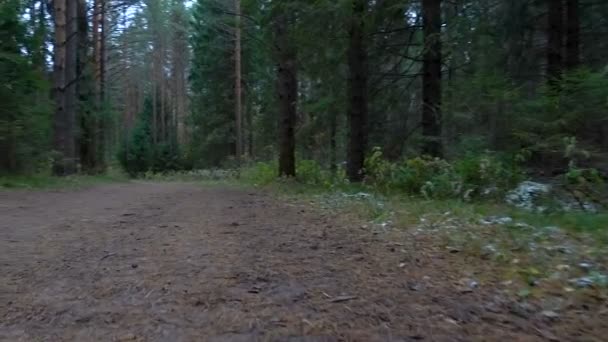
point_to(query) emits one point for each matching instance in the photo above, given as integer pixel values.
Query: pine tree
(431, 82)
(357, 92)
(287, 91)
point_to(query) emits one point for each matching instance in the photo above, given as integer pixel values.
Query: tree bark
(97, 45)
(86, 136)
(157, 76)
(59, 121)
(63, 135)
(554, 41)
(249, 113)
(163, 104)
(94, 120)
(287, 91)
(357, 93)
(103, 26)
(431, 87)
(99, 60)
(333, 129)
(238, 110)
(573, 35)
(71, 74)
(180, 60)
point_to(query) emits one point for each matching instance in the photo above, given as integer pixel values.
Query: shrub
(135, 154)
(473, 176)
(488, 174)
(430, 177)
(261, 173)
(310, 172)
(307, 172)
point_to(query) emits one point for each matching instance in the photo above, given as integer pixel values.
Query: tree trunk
(60, 134)
(157, 87)
(554, 41)
(71, 73)
(333, 129)
(357, 93)
(99, 58)
(249, 113)
(63, 138)
(287, 91)
(238, 84)
(163, 109)
(154, 104)
(573, 35)
(103, 26)
(86, 136)
(431, 87)
(180, 60)
(97, 44)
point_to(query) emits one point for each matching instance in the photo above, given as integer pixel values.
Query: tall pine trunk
(287, 91)
(179, 63)
(98, 123)
(63, 135)
(71, 74)
(333, 146)
(238, 110)
(431, 79)
(249, 112)
(86, 139)
(573, 34)
(554, 41)
(357, 93)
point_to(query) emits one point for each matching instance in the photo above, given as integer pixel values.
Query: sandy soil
(179, 262)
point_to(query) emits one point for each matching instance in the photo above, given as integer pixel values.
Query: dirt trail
(178, 262)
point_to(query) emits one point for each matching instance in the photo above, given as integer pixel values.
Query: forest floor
(154, 261)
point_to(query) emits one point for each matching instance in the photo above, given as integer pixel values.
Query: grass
(407, 210)
(404, 211)
(46, 181)
(529, 252)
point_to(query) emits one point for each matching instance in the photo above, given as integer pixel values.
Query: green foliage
(577, 175)
(45, 181)
(574, 113)
(212, 80)
(488, 173)
(136, 153)
(466, 178)
(139, 154)
(429, 177)
(260, 173)
(308, 172)
(25, 109)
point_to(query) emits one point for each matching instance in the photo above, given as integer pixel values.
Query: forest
(401, 95)
(303, 170)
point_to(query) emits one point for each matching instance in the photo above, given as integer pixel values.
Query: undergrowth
(471, 187)
(47, 181)
(533, 253)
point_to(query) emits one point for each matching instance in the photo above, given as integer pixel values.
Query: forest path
(179, 262)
